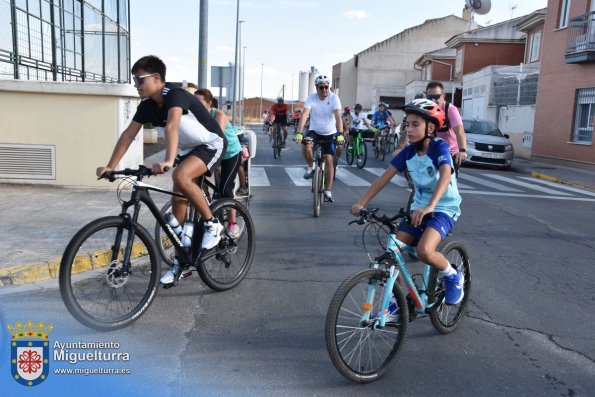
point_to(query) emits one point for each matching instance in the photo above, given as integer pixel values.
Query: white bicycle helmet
(321, 78)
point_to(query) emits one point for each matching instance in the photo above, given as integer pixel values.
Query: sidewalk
(37, 222)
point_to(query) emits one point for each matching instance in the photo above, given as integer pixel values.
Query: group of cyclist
(204, 138)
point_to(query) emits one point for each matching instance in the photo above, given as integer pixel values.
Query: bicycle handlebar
(367, 215)
(140, 172)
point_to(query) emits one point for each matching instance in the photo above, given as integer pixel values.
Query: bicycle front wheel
(358, 346)
(382, 149)
(362, 155)
(349, 153)
(94, 287)
(317, 190)
(446, 318)
(227, 264)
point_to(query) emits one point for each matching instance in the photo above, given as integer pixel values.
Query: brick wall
(478, 56)
(558, 83)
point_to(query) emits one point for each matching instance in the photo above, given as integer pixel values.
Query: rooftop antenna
(512, 8)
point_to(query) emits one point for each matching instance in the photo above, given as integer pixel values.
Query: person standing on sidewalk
(188, 126)
(324, 109)
(452, 132)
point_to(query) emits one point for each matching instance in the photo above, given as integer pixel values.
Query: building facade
(76, 40)
(565, 106)
(382, 71)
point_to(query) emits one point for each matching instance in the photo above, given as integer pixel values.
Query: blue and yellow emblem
(29, 352)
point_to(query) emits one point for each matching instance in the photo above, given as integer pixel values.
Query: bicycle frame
(394, 249)
(140, 194)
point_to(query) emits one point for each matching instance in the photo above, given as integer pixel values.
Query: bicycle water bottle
(173, 222)
(187, 233)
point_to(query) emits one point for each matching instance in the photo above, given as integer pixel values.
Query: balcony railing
(580, 45)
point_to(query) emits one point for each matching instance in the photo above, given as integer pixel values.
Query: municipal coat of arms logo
(29, 352)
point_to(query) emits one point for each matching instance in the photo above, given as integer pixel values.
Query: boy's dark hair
(150, 64)
(435, 84)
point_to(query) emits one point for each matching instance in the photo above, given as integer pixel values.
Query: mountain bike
(381, 143)
(357, 150)
(362, 344)
(277, 140)
(109, 273)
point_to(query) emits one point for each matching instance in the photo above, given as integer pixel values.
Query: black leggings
(229, 170)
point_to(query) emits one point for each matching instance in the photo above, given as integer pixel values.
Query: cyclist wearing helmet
(429, 165)
(346, 117)
(382, 118)
(279, 110)
(359, 122)
(324, 109)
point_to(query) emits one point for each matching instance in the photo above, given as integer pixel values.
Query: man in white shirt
(324, 109)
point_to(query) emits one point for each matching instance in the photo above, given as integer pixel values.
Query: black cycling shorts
(327, 141)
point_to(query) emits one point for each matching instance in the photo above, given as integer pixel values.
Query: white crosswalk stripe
(349, 178)
(559, 186)
(397, 179)
(483, 182)
(258, 177)
(526, 185)
(477, 184)
(297, 176)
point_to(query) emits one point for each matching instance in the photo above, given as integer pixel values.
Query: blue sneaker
(454, 288)
(393, 312)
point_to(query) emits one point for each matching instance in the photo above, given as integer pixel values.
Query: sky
(284, 37)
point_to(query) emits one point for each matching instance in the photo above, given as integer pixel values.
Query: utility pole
(235, 66)
(203, 36)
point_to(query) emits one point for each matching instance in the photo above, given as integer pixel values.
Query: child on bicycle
(188, 126)
(430, 167)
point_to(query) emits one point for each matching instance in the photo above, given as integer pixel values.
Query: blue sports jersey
(381, 119)
(424, 171)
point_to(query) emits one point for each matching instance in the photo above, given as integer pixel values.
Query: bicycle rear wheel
(362, 155)
(360, 349)
(226, 265)
(446, 318)
(92, 285)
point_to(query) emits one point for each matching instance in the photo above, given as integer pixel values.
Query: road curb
(545, 177)
(28, 273)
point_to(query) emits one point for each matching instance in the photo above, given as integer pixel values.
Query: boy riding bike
(188, 125)
(429, 164)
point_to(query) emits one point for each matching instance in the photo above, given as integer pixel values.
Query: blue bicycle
(365, 331)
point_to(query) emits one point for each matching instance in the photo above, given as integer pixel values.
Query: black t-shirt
(197, 127)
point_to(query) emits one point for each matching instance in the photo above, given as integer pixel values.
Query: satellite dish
(479, 6)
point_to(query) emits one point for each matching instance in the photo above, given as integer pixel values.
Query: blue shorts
(441, 222)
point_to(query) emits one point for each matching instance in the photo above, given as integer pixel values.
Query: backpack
(446, 121)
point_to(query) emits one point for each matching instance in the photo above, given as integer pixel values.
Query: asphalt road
(529, 329)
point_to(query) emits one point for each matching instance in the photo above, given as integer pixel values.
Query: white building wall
(389, 64)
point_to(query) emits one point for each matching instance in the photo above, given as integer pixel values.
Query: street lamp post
(242, 86)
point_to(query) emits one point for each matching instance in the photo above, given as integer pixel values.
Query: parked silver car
(487, 145)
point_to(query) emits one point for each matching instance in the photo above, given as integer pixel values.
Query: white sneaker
(212, 234)
(170, 276)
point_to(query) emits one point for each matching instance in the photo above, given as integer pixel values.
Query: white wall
(518, 122)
